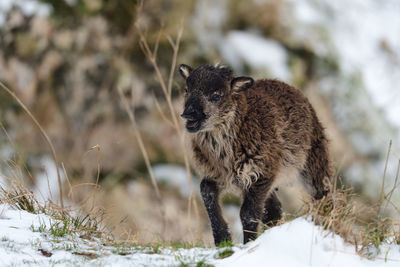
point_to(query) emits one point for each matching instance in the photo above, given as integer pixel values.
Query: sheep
(248, 137)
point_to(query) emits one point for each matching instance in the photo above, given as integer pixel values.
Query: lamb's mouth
(194, 125)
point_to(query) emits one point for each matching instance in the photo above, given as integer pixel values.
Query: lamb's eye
(215, 97)
(186, 90)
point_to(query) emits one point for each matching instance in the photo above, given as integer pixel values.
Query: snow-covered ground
(300, 243)
(297, 243)
(25, 239)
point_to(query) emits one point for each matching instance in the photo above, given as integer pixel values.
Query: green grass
(41, 228)
(202, 263)
(122, 250)
(225, 244)
(21, 198)
(56, 228)
(59, 229)
(225, 253)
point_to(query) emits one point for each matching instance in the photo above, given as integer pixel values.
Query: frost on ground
(27, 239)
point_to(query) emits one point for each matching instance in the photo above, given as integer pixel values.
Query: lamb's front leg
(252, 209)
(210, 194)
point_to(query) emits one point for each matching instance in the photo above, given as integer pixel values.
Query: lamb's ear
(239, 84)
(185, 70)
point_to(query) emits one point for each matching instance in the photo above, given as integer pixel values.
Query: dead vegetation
(363, 224)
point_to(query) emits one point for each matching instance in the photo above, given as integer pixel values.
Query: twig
(98, 161)
(175, 47)
(155, 50)
(389, 195)
(53, 152)
(98, 172)
(383, 179)
(158, 106)
(67, 178)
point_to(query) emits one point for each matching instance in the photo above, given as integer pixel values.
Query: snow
(237, 48)
(46, 183)
(207, 21)
(20, 245)
(175, 176)
(240, 47)
(368, 25)
(366, 38)
(300, 243)
(297, 243)
(28, 7)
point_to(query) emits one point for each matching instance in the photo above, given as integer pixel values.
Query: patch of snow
(307, 13)
(6, 153)
(232, 215)
(28, 7)
(302, 244)
(366, 38)
(240, 47)
(236, 47)
(176, 176)
(46, 182)
(207, 21)
(371, 44)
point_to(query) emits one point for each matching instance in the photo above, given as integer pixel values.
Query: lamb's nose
(188, 113)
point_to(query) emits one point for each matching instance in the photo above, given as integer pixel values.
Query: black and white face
(208, 95)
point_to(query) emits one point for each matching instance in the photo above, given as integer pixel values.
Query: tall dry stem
(382, 194)
(46, 137)
(396, 180)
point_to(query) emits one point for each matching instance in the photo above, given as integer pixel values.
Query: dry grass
(362, 224)
(20, 198)
(359, 222)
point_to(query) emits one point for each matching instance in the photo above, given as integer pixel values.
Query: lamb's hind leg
(272, 210)
(252, 208)
(317, 173)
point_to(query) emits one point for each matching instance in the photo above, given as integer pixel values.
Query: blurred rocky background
(66, 59)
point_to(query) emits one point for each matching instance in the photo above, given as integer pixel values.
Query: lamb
(248, 137)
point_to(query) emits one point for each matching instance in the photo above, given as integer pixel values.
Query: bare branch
(174, 57)
(162, 113)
